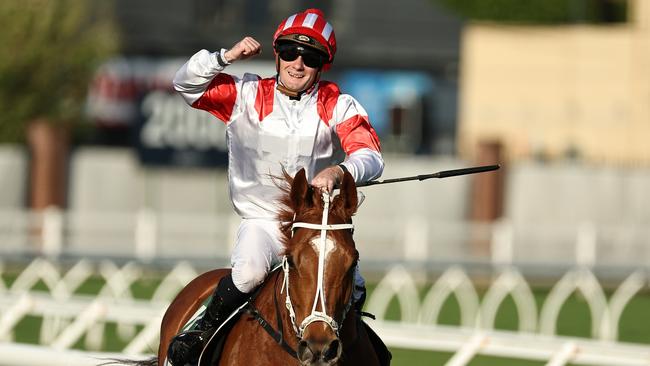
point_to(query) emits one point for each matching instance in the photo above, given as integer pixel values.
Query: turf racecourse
(574, 320)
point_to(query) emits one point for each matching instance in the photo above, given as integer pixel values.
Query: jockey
(292, 120)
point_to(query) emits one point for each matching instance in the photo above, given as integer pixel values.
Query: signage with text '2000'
(172, 133)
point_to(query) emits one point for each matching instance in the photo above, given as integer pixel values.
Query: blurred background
(113, 191)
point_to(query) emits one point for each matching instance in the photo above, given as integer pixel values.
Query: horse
(317, 325)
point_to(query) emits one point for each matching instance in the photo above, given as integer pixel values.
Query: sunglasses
(311, 58)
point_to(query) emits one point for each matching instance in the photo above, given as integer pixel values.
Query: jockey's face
(295, 75)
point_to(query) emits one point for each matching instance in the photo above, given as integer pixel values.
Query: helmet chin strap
(288, 92)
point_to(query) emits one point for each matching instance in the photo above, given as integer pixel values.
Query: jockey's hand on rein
(328, 178)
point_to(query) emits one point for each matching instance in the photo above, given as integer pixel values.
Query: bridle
(315, 316)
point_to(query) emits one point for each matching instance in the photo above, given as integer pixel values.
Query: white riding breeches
(258, 249)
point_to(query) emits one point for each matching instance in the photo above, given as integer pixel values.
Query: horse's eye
(290, 262)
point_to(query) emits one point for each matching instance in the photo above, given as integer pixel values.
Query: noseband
(315, 316)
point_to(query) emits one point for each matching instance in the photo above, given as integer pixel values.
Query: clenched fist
(247, 47)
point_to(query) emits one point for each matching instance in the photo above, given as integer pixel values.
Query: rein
(277, 335)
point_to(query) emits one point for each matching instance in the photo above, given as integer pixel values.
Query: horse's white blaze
(323, 246)
(330, 246)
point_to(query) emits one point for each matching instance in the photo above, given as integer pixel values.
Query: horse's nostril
(332, 351)
(305, 354)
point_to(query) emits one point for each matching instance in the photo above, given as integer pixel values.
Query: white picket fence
(67, 317)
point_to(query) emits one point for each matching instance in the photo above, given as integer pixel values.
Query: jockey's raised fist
(247, 47)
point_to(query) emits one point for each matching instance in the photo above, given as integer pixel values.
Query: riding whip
(441, 174)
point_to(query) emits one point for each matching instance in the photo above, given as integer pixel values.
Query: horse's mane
(286, 213)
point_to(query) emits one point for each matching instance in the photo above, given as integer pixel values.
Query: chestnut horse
(314, 324)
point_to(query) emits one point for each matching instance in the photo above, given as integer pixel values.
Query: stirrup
(187, 346)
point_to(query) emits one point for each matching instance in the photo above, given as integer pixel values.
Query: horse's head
(320, 261)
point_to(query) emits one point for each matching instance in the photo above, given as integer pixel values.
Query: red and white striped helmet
(312, 24)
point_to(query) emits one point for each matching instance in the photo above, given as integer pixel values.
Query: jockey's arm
(358, 140)
(363, 165)
(196, 75)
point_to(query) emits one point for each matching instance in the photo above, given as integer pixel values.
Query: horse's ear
(349, 194)
(300, 189)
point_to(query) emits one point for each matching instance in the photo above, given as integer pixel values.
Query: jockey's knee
(359, 287)
(247, 277)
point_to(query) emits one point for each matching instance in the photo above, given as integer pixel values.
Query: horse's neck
(248, 341)
(270, 296)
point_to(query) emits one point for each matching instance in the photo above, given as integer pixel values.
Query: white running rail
(68, 316)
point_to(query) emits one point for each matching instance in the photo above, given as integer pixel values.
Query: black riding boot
(187, 346)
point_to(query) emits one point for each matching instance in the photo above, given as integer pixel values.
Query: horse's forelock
(310, 213)
(287, 212)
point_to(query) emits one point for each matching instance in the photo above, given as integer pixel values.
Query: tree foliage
(51, 49)
(540, 11)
